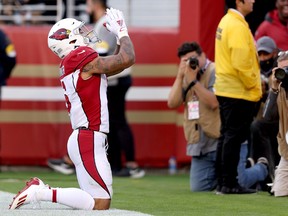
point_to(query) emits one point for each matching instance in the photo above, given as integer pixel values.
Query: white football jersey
(86, 100)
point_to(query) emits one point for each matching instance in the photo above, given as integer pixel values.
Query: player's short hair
(189, 47)
(283, 55)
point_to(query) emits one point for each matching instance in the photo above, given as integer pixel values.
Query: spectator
(7, 58)
(276, 108)
(83, 78)
(263, 132)
(238, 89)
(7, 9)
(55, 13)
(32, 10)
(62, 165)
(260, 9)
(202, 127)
(275, 25)
(120, 137)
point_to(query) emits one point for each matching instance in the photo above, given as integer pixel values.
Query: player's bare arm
(111, 65)
(117, 49)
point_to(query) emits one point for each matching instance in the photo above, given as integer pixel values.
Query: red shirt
(273, 28)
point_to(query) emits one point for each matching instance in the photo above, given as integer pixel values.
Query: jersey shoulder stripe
(77, 59)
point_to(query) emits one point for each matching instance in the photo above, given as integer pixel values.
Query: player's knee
(102, 204)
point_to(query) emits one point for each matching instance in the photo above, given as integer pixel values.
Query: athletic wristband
(117, 41)
(122, 34)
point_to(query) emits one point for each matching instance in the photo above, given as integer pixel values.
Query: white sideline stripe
(11, 93)
(52, 209)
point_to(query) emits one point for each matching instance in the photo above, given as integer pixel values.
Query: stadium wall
(34, 124)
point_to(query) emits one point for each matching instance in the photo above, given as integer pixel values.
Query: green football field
(159, 194)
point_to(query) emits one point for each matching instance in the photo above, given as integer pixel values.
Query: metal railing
(35, 13)
(140, 13)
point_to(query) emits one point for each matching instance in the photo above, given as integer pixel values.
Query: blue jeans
(202, 172)
(249, 176)
(203, 176)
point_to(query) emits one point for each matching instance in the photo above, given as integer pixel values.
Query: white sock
(72, 197)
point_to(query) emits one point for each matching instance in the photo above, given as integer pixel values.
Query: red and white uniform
(86, 101)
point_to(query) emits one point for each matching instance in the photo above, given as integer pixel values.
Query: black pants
(264, 142)
(236, 117)
(120, 137)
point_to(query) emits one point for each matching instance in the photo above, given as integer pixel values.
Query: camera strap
(188, 88)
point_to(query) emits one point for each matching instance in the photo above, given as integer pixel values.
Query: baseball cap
(266, 44)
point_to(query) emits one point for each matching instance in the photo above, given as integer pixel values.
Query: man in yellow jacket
(238, 89)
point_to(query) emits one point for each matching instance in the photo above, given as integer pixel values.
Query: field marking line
(52, 209)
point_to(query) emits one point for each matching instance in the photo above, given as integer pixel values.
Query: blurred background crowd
(21, 12)
(25, 12)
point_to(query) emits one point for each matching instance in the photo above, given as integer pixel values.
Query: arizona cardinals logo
(61, 34)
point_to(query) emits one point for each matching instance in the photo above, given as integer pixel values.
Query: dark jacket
(7, 57)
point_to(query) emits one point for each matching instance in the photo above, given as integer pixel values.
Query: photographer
(193, 87)
(263, 133)
(276, 107)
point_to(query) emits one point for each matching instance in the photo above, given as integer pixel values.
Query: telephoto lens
(280, 74)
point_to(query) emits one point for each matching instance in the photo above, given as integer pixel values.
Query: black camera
(281, 74)
(193, 62)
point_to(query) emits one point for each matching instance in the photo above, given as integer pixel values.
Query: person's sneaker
(250, 162)
(263, 160)
(136, 172)
(218, 190)
(124, 172)
(130, 172)
(237, 190)
(61, 166)
(28, 193)
(269, 189)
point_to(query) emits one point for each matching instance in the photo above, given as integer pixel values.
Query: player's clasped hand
(116, 23)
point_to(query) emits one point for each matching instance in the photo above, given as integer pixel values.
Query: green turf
(163, 195)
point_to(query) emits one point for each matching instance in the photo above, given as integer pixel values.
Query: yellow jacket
(236, 59)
